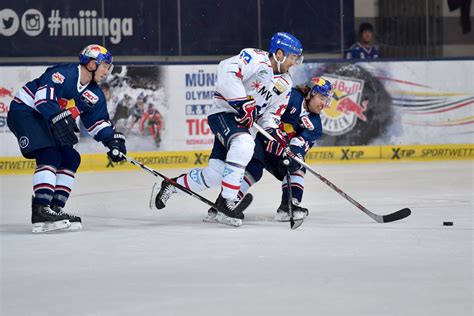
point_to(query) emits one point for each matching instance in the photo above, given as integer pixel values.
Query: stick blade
(244, 203)
(294, 224)
(398, 215)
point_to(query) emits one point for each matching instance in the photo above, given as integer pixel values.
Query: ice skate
(161, 193)
(283, 214)
(228, 216)
(211, 216)
(240, 207)
(44, 219)
(76, 222)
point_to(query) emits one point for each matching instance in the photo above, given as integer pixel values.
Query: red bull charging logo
(345, 107)
(4, 92)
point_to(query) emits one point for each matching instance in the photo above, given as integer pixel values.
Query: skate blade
(75, 226)
(209, 219)
(50, 226)
(282, 217)
(224, 219)
(154, 192)
(299, 216)
(285, 217)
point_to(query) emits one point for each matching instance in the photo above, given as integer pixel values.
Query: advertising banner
(190, 91)
(316, 155)
(158, 108)
(377, 103)
(11, 79)
(164, 108)
(60, 28)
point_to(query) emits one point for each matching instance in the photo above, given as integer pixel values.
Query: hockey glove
(276, 147)
(247, 113)
(291, 164)
(63, 127)
(117, 142)
(74, 113)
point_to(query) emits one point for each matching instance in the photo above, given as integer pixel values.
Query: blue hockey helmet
(321, 86)
(287, 43)
(96, 52)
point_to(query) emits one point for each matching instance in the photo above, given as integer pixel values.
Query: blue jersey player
(301, 127)
(45, 129)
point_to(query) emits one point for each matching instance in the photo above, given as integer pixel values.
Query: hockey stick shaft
(378, 218)
(174, 183)
(290, 197)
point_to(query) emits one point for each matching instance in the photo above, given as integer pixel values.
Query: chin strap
(93, 72)
(278, 62)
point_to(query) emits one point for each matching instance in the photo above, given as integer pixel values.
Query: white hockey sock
(231, 180)
(192, 180)
(246, 184)
(64, 182)
(201, 179)
(239, 154)
(44, 181)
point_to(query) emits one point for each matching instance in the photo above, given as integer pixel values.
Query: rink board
(374, 104)
(191, 159)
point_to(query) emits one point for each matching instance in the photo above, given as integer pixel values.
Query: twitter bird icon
(9, 22)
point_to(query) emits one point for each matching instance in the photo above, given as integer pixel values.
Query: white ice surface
(129, 260)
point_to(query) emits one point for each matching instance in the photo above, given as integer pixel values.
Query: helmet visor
(104, 58)
(299, 59)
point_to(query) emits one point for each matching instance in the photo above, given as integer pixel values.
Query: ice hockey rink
(129, 260)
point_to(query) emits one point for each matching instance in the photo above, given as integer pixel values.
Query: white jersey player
(254, 84)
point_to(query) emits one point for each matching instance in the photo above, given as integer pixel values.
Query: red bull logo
(347, 85)
(4, 92)
(95, 48)
(57, 78)
(345, 107)
(63, 103)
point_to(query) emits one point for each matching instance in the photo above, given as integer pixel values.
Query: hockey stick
(244, 202)
(400, 214)
(293, 224)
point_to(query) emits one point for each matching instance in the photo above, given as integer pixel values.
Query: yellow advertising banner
(427, 152)
(100, 162)
(191, 159)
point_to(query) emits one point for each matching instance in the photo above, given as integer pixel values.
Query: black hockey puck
(447, 223)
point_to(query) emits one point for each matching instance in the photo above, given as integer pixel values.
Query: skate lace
(231, 204)
(167, 192)
(50, 211)
(61, 212)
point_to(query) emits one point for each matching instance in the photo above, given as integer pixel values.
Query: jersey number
(306, 123)
(245, 57)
